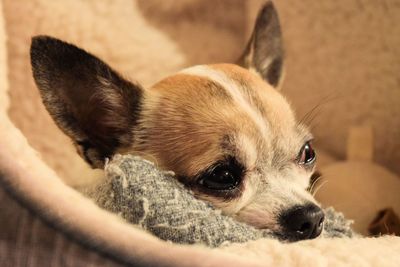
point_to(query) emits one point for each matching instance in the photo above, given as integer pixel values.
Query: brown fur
(192, 136)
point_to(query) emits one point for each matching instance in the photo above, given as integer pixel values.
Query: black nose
(302, 222)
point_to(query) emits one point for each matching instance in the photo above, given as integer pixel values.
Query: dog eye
(307, 155)
(225, 175)
(220, 179)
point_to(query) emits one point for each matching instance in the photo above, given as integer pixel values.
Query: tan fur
(200, 112)
(188, 140)
(191, 120)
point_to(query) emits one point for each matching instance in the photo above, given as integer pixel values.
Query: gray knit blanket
(155, 201)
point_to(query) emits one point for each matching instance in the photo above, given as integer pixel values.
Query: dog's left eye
(307, 155)
(224, 175)
(220, 180)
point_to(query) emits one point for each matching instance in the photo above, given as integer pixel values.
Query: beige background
(343, 55)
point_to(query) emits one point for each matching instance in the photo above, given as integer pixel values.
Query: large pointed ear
(264, 52)
(87, 99)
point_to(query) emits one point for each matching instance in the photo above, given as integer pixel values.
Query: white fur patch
(248, 148)
(234, 91)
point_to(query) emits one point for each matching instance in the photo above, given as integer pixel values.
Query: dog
(223, 129)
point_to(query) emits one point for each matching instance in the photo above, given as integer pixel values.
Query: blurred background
(342, 63)
(341, 55)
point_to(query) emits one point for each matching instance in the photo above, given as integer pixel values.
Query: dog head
(225, 130)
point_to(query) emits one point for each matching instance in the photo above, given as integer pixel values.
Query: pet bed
(112, 241)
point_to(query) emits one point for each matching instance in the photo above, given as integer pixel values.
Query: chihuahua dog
(224, 129)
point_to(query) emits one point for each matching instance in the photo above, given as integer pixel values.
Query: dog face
(225, 130)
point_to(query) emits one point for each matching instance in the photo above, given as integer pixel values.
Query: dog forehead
(246, 86)
(226, 83)
(209, 102)
(208, 98)
(227, 92)
(184, 121)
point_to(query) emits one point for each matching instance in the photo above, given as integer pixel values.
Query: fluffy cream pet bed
(32, 182)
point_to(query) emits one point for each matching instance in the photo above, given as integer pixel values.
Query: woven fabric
(157, 202)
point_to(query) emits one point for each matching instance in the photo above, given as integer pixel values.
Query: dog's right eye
(225, 175)
(307, 155)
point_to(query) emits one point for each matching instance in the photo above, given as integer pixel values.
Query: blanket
(144, 195)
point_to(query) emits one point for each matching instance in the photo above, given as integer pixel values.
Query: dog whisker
(310, 115)
(314, 183)
(319, 187)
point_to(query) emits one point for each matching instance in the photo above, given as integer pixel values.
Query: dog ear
(264, 51)
(87, 99)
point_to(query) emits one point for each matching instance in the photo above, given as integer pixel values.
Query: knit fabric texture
(155, 201)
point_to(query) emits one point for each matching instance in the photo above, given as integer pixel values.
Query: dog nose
(303, 222)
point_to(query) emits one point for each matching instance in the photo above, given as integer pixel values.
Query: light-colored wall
(344, 56)
(347, 53)
(3, 63)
